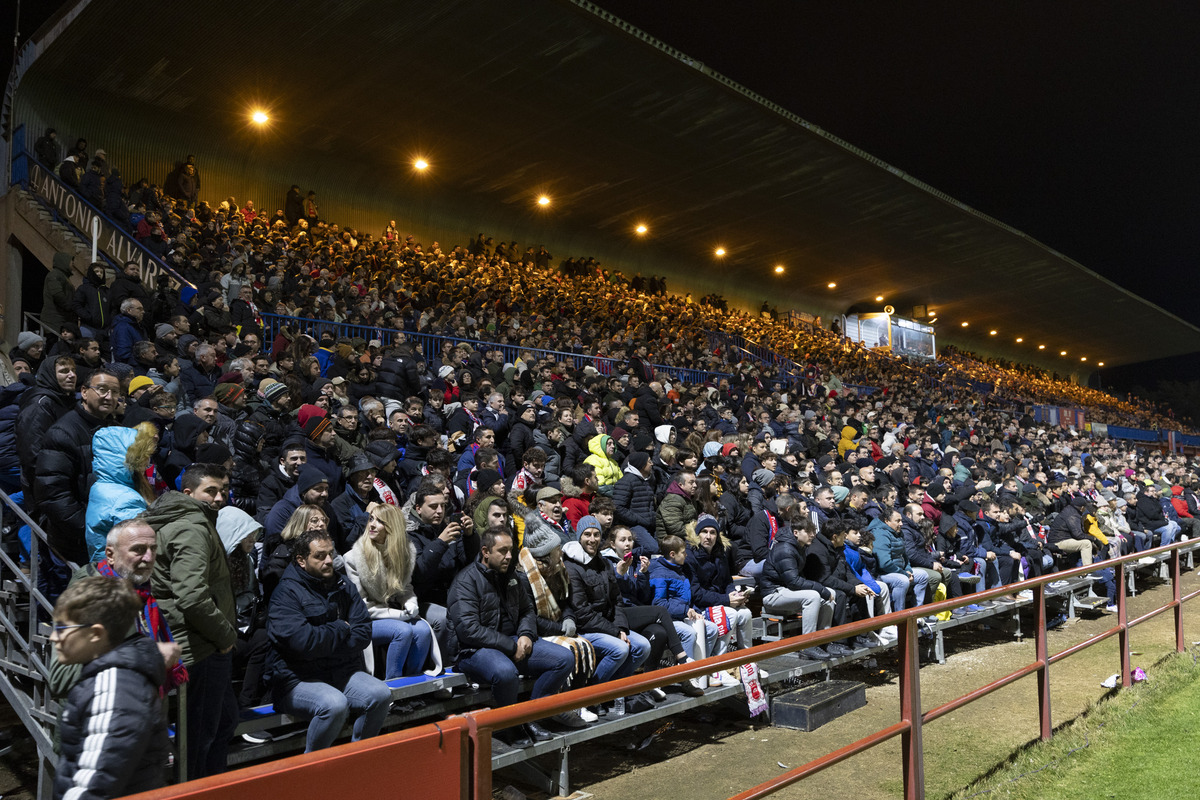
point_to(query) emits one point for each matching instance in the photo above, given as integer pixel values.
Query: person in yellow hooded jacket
(847, 441)
(601, 449)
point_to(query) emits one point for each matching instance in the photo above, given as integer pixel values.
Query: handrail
(485, 722)
(431, 344)
(127, 249)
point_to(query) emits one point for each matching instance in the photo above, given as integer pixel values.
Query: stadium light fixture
(1062, 352)
(966, 324)
(779, 269)
(1099, 363)
(991, 333)
(641, 230)
(832, 285)
(1020, 339)
(1041, 347)
(259, 117)
(933, 320)
(878, 298)
(420, 165)
(719, 252)
(1083, 358)
(543, 200)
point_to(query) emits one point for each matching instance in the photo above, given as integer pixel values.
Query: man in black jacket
(786, 592)
(633, 497)
(1148, 515)
(825, 563)
(51, 397)
(445, 545)
(398, 377)
(318, 626)
(63, 466)
(495, 622)
(292, 458)
(1067, 533)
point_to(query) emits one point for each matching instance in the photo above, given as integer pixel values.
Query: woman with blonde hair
(305, 518)
(380, 565)
(120, 457)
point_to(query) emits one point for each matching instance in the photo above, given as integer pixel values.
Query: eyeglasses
(105, 391)
(59, 630)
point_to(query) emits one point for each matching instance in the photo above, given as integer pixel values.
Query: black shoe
(690, 689)
(838, 650)
(537, 732)
(816, 653)
(866, 642)
(514, 737)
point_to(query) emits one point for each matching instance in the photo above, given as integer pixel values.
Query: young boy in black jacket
(114, 733)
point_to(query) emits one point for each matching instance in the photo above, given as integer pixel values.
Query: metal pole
(1123, 635)
(910, 711)
(95, 237)
(1043, 657)
(1177, 599)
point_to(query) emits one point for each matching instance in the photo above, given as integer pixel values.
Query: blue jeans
(898, 583)
(551, 664)
(687, 637)
(1168, 532)
(618, 659)
(211, 714)
(408, 645)
(328, 707)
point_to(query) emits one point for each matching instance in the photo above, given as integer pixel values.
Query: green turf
(1140, 743)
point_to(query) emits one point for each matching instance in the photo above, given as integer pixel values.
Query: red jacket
(1181, 506)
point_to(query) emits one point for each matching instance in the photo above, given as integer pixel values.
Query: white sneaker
(657, 694)
(724, 678)
(1146, 561)
(1111, 609)
(1027, 594)
(763, 674)
(587, 716)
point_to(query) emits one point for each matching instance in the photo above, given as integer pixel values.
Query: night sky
(1075, 122)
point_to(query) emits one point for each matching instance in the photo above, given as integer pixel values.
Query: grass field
(1138, 743)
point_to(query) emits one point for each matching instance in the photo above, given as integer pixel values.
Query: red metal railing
(453, 759)
(482, 724)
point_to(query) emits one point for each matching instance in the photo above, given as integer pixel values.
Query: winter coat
(57, 293)
(711, 574)
(246, 479)
(889, 548)
(489, 610)
(40, 407)
(112, 497)
(672, 584)
(607, 470)
(124, 287)
(857, 564)
(577, 446)
(437, 561)
(123, 335)
(826, 565)
(191, 576)
(520, 439)
(1147, 513)
(784, 569)
(317, 630)
(60, 487)
(633, 497)
(595, 593)
(675, 513)
(113, 729)
(1067, 525)
(90, 303)
(10, 396)
(398, 378)
(402, 605)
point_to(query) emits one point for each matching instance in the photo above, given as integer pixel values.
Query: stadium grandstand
(405, 384)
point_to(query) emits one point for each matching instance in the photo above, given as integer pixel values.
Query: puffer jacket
(847, 441)
(398, 378)
(191, 576)
(112, 497)
(675, 513)
(10, 407)
(595, 593)
(607, 471)
(784, 569)
(672, 585)
(113, 729)
(61, 483)
(487, 609)
(711, 574)
(246, 479)
(275, 425)
(40, 407)
(57, 293)
(576, 446)
(317, 630)
(633, 497)
(826, 565)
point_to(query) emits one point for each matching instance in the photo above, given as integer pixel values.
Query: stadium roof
(558, 97)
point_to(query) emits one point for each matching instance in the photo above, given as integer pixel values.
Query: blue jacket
(889, 548)
(672, 587)
(712, 575)
(855, 562)
(123, 336)
(112, 497)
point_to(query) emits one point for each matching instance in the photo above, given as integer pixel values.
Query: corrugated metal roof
(508, 100)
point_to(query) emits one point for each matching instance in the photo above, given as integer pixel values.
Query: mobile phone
(629, 556)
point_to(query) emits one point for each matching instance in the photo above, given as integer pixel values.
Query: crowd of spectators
(306, 518)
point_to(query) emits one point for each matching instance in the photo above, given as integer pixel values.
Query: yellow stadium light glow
(421, 164)
(641, 229)
(543, 201)
(1041, 347)
(719, 252)
(1019, 340)
(260, 117)
(779, 269)
(1062, 352)
(933, 320)
(965, 324)
(879, 298)
(1099, 363)
(832, 285)
(991, 333)
(1083, 358)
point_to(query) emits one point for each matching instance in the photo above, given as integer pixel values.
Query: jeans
(617, 658)
(211, 714)
(408, 645)
(551, 664)
(328, 707)
(740, 620)
(1168, 532)
(687, 637)
(752, 569)
(435, 616)
(816, 611)
(925, 583)
(898, 583)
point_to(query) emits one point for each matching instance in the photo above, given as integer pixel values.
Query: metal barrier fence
(430, 345)
(472, 733)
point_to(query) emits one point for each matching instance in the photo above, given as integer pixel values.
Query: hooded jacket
(41, 407)
(889, 548)
(633, 497)
(672, 584)
(90, 302)
(112, 497)
(784, 568)
(675, 513)
(191, 576)
(113, 729)
(64, 463)
(847, 441)
(57, 294)
(576, 446)
(607, 470)
(489, 610)
(595, 593)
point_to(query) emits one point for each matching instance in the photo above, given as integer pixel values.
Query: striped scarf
(151, 623)
(548, 608)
